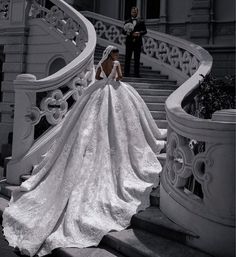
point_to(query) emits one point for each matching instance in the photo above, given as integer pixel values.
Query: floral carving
(179, 158)
(54, 106)
(64, 24)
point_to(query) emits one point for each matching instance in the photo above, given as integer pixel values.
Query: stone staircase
(151, 233)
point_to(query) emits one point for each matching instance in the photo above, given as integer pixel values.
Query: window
(152, 9)
(56, 65)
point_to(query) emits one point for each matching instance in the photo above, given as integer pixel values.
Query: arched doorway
(56, 65)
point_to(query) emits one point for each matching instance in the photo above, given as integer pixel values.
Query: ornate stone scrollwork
(121, 39)
(175, 56)
(33, 116)
(64, 24)
(112, 33)
(4, 9)
(163, 51)
(193, 65)
(54, 107)
(178, 162)
(100, 28)
(185, 63)
(150, 47)
(80, 40)
(70, 28)
(78, 85)
(54, 16)
(200, 165)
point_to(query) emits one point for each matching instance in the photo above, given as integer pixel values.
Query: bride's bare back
(108, 65)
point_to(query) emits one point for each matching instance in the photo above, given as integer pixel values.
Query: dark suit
(134, 44)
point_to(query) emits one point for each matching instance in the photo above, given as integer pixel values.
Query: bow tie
(134, 18)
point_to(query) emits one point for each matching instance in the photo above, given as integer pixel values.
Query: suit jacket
(139, 27)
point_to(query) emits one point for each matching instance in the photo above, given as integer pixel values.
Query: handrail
(75, 29)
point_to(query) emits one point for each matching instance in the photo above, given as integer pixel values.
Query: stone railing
(41, 105)
(197, 185)
(173, 56)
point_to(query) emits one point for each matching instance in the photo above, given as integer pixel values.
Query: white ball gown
(99, 173)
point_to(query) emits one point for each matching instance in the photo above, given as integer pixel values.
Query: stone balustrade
(174, 56)
(41, 105)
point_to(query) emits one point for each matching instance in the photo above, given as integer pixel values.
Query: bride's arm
(119, 72)
(98, 73)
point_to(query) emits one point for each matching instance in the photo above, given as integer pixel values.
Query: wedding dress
(98, 173)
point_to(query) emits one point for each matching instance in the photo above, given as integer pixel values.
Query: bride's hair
(113, 51)
(107, 53)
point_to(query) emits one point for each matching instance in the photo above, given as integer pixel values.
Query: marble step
(140, 243)
(122, 62)
(155, 195)
(154, 92)
(149, 80)
(158, 115)
(156, 106)
(154, 99)
(155, 222)
(153, 85)
(7, 189)
(149, 75)
(161, 123)
(100, 251)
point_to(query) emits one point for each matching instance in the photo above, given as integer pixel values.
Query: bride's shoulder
(116, 63)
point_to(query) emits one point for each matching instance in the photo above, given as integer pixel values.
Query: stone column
(163, 15)
(13, 38)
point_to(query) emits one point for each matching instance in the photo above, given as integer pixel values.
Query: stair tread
(136, 242)
(145, 80)
(3, 203)
(154, 216)
(87, 252)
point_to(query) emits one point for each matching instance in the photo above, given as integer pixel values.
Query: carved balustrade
(42, 105)
(175, 55)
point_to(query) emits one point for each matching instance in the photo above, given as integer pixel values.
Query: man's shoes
(126, 75)
(137, 76)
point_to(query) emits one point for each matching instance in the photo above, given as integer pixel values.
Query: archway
(56, 65)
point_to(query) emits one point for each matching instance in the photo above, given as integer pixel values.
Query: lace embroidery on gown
(99, 173)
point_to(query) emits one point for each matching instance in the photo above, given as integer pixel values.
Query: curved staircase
(151, 233)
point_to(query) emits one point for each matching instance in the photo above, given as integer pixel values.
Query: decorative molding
(61, 22)
(4, 9)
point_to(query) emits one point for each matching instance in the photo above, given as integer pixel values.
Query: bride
(99, 172)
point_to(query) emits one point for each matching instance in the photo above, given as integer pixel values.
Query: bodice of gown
(113, 74)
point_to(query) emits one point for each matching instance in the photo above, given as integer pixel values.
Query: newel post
(23, 128)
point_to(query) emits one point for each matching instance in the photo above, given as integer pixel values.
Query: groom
(134, 33)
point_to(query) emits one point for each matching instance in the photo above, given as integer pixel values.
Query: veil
(105, 55)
